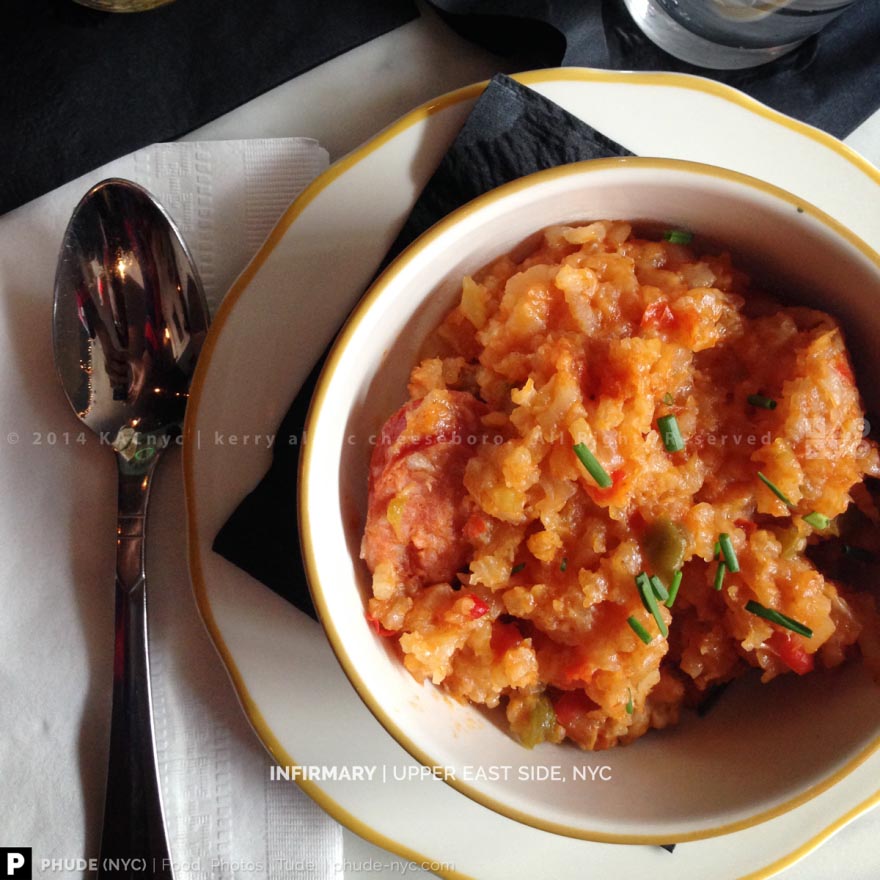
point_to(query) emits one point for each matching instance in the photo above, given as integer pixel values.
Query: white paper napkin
(57, 519)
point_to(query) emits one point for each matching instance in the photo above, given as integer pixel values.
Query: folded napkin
(82, 87)
(831, 81)
(222, 810)
(225, 196)
(511, 131)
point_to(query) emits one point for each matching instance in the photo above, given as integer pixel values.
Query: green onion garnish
(639, 630)
(759, 610)
(670, 433)
(774, 489)
(719, 574)
(716, 550)
(762, 402)
(817, 520)
(595, 470)
(678, 236)
(659, 590)
(726, 546)
(629, 702)
(564, 564)
(518, 568)
(649, 600)
(673, 588)
(668, 399)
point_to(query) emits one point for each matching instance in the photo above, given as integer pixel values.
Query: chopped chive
(660, 591)
(774, 489)
(678, 236)
(859, 553)
(670, 433)
(629, 702)
(776, 617)
(817, 520)
(726, 546)
(716, 550)
(518, 568)
(564, 564)
(673, 588)
(639, 630)
(595, 470)
(649, 600)
(719, 574)
(762, 402)
(668, 399)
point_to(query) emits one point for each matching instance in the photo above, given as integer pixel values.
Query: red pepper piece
(479, 608)
(746, 525)
(791, 653)
(504, 637)
(570, 706)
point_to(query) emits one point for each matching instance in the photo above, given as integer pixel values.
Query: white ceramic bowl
(763, 749)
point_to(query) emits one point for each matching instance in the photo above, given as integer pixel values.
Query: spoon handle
(133, 841)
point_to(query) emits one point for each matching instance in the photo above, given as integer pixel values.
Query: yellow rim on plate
(420, 114)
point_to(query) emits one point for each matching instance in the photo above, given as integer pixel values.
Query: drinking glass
(122, 5)
(727, 34)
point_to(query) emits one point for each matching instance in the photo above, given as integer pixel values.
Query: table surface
(368, 88)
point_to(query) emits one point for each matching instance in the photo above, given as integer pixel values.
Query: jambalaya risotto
(604, 495)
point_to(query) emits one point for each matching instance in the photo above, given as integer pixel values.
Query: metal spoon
(129, 321)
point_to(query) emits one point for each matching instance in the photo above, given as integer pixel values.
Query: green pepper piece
(541, 721)
(664, 544)
(791, 541)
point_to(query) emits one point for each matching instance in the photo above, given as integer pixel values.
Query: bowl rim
(316, 406)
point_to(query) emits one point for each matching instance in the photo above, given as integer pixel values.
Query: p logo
(15, 862)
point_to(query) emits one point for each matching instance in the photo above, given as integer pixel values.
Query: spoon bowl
(128, 324)
(130, 315)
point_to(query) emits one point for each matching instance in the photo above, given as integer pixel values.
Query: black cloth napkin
(82, 87)
(511, 131)
(831, 81)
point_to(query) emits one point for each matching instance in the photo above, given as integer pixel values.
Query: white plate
(273, 326)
